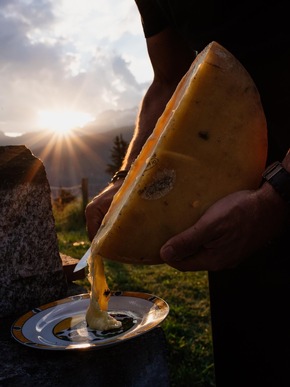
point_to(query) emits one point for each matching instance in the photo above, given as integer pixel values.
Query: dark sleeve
(153, 20)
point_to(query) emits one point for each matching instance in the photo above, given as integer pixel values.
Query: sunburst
(61, 122)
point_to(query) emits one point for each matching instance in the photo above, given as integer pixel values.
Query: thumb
(183, 245)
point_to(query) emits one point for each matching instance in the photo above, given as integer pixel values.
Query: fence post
(85, 193)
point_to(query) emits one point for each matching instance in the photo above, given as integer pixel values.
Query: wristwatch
(279, 178)
(119, 175)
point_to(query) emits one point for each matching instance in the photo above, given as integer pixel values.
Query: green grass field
(187, 327)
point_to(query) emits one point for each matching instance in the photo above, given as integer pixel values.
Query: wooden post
(85, 193)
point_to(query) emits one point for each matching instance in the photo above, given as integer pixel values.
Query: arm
(170, 60)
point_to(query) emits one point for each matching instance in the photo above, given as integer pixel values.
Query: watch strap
(279, 178)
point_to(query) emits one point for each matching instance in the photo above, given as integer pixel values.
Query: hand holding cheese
(229, 231)
(210, 141)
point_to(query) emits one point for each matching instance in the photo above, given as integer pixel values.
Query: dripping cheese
(97, 316)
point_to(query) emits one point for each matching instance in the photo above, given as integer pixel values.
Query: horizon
(107, 121)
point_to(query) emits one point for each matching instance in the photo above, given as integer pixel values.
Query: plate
(61, 325)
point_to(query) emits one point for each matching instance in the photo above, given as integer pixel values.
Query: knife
(83, 261)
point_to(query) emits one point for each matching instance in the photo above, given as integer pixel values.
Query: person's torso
(257, 33)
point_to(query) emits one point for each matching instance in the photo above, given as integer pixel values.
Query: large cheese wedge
(210, 141)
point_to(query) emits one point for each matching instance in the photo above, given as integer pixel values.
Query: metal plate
(61, 325)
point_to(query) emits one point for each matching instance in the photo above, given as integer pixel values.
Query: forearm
(170, 59)
(151, 109)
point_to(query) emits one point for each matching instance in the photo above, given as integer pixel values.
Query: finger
(185, 244)
(205, 259)
(197, 262)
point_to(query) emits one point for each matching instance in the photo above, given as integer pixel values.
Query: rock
(31, 272)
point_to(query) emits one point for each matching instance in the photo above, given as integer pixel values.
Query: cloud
(46, 64)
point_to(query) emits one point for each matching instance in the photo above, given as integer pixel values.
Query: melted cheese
(210, 141)
(97, 316)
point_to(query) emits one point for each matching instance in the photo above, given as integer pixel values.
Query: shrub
(69, 217)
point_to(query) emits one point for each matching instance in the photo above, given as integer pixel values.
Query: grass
(187, 327)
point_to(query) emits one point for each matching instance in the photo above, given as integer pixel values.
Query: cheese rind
(210, 141)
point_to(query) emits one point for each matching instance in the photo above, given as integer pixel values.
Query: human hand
(97, 208)
(228, 232)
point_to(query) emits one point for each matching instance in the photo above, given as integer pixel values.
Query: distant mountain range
(84, 153)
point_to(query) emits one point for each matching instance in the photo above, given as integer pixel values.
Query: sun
(63, 121)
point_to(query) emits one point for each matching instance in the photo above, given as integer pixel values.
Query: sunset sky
(69, 61)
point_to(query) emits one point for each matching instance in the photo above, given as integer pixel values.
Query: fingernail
(168, 253)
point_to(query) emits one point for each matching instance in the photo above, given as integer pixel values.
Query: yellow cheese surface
(210, 141)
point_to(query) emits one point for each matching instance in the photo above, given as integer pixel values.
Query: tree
(118, 152)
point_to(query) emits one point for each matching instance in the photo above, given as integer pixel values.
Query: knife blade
(83, 261)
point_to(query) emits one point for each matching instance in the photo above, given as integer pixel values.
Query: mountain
(67, 160)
